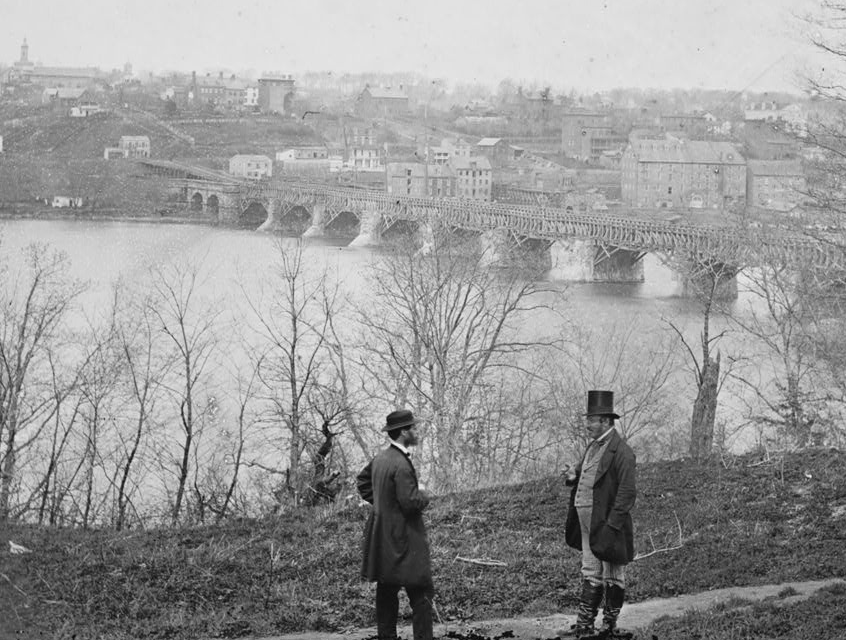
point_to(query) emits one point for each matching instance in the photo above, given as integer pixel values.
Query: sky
(589, 45)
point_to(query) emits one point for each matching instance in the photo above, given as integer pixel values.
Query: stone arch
(294, 220)
(197, 202)
(213, 205)
(253, 216)
(345, 224)
(400, 230)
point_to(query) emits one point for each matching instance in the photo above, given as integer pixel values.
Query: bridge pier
(370, 233)
(318, 215)
(586, 261)
(271, 221)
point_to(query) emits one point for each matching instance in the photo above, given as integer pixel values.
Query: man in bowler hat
(396, 550)
(599, 522)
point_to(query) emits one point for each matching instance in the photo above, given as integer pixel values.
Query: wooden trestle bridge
(627, 229)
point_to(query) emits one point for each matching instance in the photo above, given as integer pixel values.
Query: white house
(254, 167)
(135, 146)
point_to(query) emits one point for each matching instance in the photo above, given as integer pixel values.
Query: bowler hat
(601, 403)
(400, 419)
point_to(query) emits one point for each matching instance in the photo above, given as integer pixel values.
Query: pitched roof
(378, 92)
(488, 142)
(75, 72)
(65, 93)
(688, 152)
(476, 162)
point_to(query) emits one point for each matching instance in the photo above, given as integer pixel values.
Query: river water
(100, 252)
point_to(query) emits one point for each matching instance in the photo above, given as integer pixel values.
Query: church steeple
(24, 52)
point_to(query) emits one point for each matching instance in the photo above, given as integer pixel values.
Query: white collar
(396, 444)
(604, 435)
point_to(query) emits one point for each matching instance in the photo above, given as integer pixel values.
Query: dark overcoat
(396, 549)
(614, 493)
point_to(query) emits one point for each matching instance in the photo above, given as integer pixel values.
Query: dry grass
(742, 522)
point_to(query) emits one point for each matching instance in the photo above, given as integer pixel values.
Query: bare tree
(188, 324)
(440, 323)
(33, 305)
(295, 358)
(706, 278)
(639, 368)
(785, 326)
(146, 370)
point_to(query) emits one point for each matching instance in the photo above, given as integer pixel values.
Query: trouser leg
(420, 599)
(387, 610)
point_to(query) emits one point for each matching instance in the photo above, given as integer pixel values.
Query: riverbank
(25, 212)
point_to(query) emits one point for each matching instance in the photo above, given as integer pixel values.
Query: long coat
(614, 493)
(396, 549)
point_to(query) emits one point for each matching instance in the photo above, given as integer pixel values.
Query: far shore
(25, 212)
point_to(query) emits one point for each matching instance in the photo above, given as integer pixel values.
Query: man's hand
(569, 474)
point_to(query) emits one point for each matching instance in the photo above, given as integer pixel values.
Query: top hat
(601, 403)
(400, 419)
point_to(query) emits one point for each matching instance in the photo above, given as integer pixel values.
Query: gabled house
(375, 102)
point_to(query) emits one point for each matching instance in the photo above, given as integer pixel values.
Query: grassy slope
(742, 524)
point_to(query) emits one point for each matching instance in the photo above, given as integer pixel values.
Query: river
(100, 252)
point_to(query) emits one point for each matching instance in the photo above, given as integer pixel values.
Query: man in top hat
(599, 522)
(396, 550)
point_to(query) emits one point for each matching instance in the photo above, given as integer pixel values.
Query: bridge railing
(734, 241)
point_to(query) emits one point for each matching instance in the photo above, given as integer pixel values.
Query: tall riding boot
(589, 602)
(614, 596)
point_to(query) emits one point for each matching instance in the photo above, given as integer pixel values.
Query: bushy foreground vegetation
(732, 522)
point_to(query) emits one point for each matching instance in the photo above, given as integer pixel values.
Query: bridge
(593, 245)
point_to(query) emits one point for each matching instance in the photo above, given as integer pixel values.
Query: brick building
(375, 102)
(778, 185)
(411, 179)
(275, 93)
(678, 173)
(473, 178)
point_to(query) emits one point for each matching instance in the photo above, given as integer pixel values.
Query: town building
(64, 97)
(365, 157)
(791, 117)
(586, 135)
(766, 140)
(308, 159)
(135, 146)
(420, 181)
(24, 71)
(230, 93)
(251, 97)
(254, 167)
(496, 150)
(678, 173)
(473, 178)
(375, 102)
(778, 185)
(275, 93)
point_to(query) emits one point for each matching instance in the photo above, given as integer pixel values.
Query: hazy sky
(589, 44)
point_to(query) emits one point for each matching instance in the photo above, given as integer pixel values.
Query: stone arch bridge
(585, 246)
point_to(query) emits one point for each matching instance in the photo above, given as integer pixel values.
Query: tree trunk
(704, 411)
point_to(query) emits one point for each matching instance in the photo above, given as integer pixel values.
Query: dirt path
(634, 616)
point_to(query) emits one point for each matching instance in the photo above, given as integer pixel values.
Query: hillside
(48, 153)
(740, 522)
